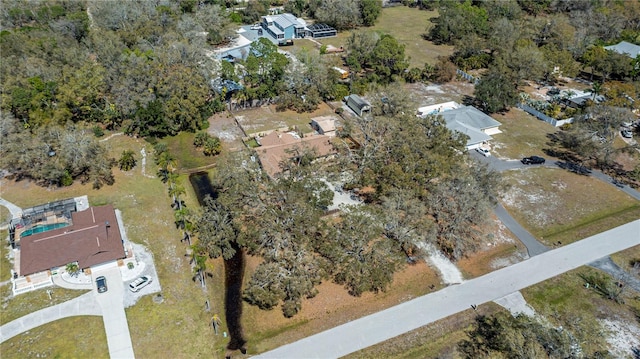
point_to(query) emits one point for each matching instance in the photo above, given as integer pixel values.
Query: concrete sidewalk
(83, 305)
(15, 210)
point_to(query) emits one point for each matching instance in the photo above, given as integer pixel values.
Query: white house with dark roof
(467, 120)
(625, 48)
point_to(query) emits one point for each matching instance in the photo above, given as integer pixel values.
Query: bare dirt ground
(431, 94)
(223, 126)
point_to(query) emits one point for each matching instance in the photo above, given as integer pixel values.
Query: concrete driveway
(115, 320)
(378, 327)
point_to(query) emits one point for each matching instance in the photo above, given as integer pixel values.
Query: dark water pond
(233, 271)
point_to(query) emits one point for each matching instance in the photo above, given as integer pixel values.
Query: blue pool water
(42, 228)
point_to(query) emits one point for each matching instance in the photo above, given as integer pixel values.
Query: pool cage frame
(38, 214)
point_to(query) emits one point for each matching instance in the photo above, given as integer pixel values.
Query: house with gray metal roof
(472, 122)
(625, 48)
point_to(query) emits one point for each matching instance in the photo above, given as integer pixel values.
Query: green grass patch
(565, 301)
(554, 206)
(5, 264)
(407, 25)
(14, 307)
(186, 154)
(252, 143)
(178, 327)
(593, 225)
(74, 337)
(258, 337)
(626, 257)
(522, 135)
(5, 215)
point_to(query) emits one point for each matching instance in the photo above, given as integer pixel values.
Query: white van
(139, 283)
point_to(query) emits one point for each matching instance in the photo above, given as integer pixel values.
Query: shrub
(98, 131)
(127, 161)
(66, 179)
(212, 146)
(200, 139)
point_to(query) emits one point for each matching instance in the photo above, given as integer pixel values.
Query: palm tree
(175, 190)
(73, 269)
(199, 263)
(596, 89)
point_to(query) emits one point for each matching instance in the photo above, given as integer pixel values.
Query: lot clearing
(265, 118)
(559, 206)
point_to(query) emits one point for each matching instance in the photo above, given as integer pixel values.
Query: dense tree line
(421, 192)
(132, 65)
(535, 40)
(504, 336)
(57, 157)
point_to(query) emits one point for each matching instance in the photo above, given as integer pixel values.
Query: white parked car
(483, 151)
(256, 27)
(139, 283)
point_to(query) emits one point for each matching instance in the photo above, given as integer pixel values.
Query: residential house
(284, 26)
(469, 121)
(277, 147)
(625, 48)
(325, 125)
(357, 104)
(91, 238)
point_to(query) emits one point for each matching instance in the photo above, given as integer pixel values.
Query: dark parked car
(101, 283)
(626, 133)
(533, 160)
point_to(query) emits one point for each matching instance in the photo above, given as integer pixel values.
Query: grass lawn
(5, 265)
(261, 119)
(23, 304)
(625, 258)
(5, 215)
(522, 135)
(564, 300)
(176, 328)
(395, 21)
(187, 155)
(556, 205)
(74, 337)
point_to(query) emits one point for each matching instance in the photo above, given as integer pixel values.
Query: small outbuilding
(357, 104)
(325, 125)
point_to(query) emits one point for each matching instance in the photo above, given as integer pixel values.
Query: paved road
(83, 305)
(378, 327)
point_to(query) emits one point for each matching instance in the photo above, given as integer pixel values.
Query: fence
(541, 116)
(474, 80)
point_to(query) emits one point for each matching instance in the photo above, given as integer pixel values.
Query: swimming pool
(42, 228)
